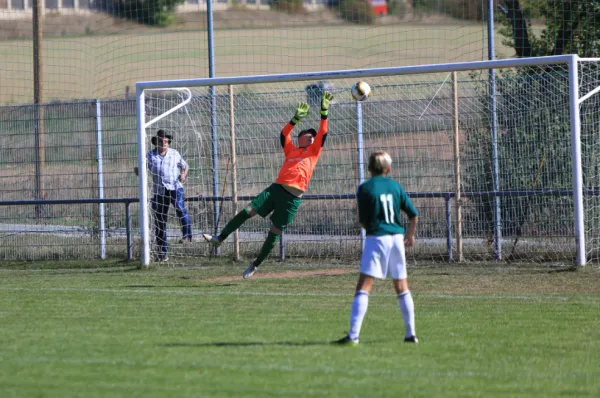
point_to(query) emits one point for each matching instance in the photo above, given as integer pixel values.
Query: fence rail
(446, 196)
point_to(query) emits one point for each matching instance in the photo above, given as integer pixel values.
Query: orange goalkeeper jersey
(300, 162)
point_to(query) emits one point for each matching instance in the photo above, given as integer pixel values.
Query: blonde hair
(379, 162)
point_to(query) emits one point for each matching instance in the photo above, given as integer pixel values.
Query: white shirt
(165, 170)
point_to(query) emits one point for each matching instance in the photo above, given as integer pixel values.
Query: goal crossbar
(361, 73)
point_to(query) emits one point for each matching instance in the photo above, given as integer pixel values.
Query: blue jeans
(160, 208)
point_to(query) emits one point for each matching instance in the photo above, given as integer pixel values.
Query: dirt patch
(286, 274)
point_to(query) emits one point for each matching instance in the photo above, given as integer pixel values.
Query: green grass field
(107, 329)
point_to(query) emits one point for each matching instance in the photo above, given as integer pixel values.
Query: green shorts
(276, 199)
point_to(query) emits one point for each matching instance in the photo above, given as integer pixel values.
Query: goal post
(421, 116)
(142, 170)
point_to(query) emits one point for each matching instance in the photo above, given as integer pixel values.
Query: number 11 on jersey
(387, 201)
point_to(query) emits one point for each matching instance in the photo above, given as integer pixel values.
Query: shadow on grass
(257, 344)
(180, 286)
(141, 286)
(572, 268)
(91, 265)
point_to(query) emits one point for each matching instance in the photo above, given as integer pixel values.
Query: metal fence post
(128, 231)
(102, 229)
(448, 225)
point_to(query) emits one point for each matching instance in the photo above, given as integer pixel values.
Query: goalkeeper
(284, 196)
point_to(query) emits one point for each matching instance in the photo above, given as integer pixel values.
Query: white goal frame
(571, 61)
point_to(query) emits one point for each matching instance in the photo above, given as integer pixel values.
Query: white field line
(253, 366)
(185, 292)
(398, 373)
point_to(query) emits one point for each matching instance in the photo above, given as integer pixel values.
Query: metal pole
(128, 231)
(213, 115)
(281, 247)
(361, 156)
(448, 226)
(358, 73)
(40, 163)
(234, 193)
(576, 156)
(100, 179)
(143, 175)
(494, 135)
(457, 181)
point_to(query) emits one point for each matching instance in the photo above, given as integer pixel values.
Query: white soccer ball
(361, 91)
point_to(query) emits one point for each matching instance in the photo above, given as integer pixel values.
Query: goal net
(504, 168)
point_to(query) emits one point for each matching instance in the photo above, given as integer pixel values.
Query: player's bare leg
(365, 283)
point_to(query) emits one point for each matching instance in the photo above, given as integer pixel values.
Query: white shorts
(383, 254)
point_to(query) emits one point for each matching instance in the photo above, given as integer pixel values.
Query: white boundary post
(361, 160)
(100, 179)
(576, 158)
(143, 176)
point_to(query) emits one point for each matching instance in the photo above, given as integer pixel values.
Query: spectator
(169, 171)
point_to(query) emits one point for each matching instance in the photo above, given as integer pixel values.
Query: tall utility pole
(213, 116)
(494, 136)
(40, 157)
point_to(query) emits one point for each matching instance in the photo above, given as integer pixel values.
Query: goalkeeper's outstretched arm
(284, 137)
(323, 126)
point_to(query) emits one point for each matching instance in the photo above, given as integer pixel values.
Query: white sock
(359, 309)
(407, 307)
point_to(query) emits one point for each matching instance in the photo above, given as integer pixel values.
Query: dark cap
(161, 134)
(312, 132)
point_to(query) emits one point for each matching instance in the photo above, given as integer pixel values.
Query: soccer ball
(361, 91)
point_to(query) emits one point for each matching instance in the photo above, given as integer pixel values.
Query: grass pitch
(107, 329)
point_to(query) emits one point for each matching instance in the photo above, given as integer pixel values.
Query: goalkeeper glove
(325, 100)
(302, 111)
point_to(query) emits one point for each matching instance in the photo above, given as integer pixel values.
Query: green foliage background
(150, 12)
(534, 147)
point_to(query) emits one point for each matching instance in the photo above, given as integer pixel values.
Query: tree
(533, 118)
(150, 12)
(572, 27)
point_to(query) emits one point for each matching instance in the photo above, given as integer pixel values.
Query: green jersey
(380, 201)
